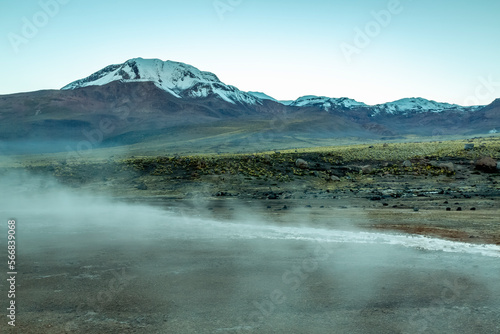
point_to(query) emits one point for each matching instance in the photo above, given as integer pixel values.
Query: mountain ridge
(186, 81)
(167, 102)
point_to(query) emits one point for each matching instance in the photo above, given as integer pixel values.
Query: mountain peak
(179, 79)
(326, 102)
(415, 104)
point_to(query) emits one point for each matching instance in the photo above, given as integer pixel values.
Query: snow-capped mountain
(417, 104)
(326, 103)
(399, 107)
(186, 81)
(178, 79)
(163, 98)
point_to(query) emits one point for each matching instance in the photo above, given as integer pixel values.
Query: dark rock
(449, 166)
(448, 209)
(459, 209)
(468, 147)
(487, 164)
(366, 169)
(223, 194)
(273, 195)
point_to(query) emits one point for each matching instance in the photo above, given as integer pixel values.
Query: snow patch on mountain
(179, 79)
(402, 106)
(326, 103)
(416, 104)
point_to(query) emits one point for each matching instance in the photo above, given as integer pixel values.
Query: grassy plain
(428, 187)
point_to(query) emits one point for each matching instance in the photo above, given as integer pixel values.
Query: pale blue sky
(446, 50)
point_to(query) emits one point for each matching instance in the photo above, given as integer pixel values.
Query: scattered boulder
(302, 164)
(273, 195)
(407, 163)
(334, 178)
(487, 164)
(449, 166)
(222, 194)
(388, 192)
(367, 169)
(468, 147)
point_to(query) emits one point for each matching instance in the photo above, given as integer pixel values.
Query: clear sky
(444, 50)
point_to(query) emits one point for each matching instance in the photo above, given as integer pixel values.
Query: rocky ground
(122, 271)
(448, 189)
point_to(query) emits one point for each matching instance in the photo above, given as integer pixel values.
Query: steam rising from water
(257, 257)
(75, 211)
